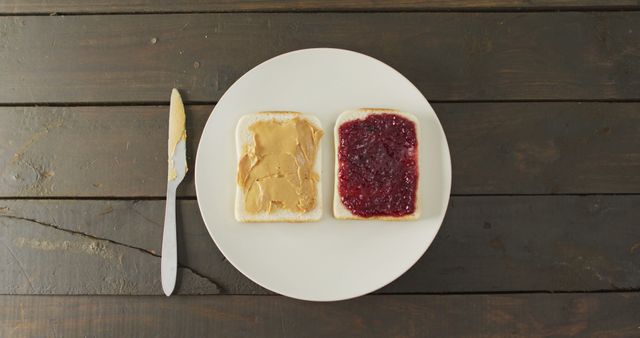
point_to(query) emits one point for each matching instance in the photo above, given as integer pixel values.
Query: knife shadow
(182, 254)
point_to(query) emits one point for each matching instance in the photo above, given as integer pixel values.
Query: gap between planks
(193, 198)
(576, 9)
(195, 103)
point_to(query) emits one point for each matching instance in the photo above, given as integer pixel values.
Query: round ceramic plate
(330, 259)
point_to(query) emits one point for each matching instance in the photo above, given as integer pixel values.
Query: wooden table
(539, 101)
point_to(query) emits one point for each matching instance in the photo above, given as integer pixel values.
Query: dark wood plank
(449, 56)
(496, 148)
(106, 247)
(164, 6)
(541, 243)
(486, 244)
(522, 315)
(543, 148)
(90, 151)
(44, 258)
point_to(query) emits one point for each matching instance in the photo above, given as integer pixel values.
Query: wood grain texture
(522, 315)
(163, 6)
(35, 254)
(496, 148)
(486, 244)
(91, 151)
(543, 148)
(106, 247)
(449, 56)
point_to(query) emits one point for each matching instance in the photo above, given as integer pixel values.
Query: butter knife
(177, 152)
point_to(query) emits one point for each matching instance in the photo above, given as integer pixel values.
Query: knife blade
(177, 169)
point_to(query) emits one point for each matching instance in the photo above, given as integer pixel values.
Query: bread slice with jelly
(376, 165)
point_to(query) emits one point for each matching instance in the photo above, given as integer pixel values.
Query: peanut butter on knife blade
(177, 131)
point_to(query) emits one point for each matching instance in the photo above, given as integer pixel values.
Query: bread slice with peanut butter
(278, 177)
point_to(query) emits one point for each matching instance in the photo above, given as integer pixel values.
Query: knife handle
(169, 259)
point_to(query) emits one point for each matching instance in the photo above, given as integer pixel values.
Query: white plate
(331, 259)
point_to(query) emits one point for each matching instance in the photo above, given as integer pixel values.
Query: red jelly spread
(378, 166)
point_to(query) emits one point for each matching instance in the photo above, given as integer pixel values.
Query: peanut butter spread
(276, 169)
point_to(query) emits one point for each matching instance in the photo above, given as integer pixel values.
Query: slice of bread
(340, 211)
(244, 138)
